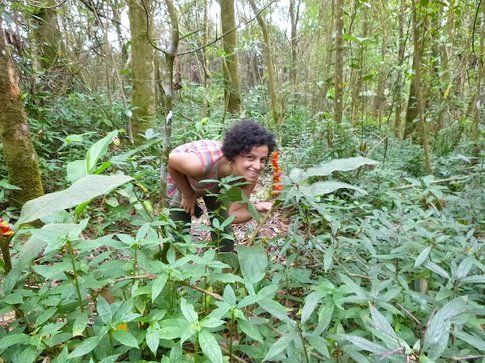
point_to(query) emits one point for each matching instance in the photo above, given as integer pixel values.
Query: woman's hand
(263, 207)
(188, 203)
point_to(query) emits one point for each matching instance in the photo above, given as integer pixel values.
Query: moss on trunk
(20, 157)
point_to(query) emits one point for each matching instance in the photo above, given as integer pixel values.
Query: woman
(243, 153)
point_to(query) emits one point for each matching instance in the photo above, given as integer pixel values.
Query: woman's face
(250, 165)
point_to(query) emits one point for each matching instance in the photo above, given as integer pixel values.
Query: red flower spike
(277, 187)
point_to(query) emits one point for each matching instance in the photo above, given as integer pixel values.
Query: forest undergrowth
(362, 258)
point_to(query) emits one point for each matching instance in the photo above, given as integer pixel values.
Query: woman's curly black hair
(243, 136)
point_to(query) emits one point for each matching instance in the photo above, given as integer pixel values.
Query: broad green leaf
(464, 268)
(279, 346)
(438, 328)
(80, 324)
(83, 190)
(262, 294)
(12, 339)
(98, 150)
(347, 164)
(475, 342)
(474, 279)
(28, 355)
(253, 262)
(110, 359)
(104, 310)
(229, 295)
(275, 309)
(430, 265)
(422, 256)
(209, 322)
(76, 170)
(153, 339)
(325, 314)
(44, 316)
(158, 285)
(251, 330)
(365, 344)
(311, 302)
(319, 344)
(327, 187)
(382, 325)
(85, 347)
(188, 311)
(125, 338)
(210, 346)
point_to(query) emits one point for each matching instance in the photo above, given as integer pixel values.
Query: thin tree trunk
(480, 92)
(359, 72)
(268, 57)
(419, 26)
(399, 79)
(230, 67)
(143, 68)
(294, 15)
(47, 33)
(329, 47)
(205, 60)
(20, 157)
(339, 61)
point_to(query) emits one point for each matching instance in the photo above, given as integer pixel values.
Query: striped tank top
(209, 153)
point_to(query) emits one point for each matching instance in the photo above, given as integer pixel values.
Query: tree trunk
(47, 34)
(232, 93)
(399, 79)
(20, 157)
(169, 92)
(205, 61)
(329, 46)
(268, 58)
(339, 61)
(143, 68)
(479, 95)
(419, 26)
(359, 72)
(294, 15)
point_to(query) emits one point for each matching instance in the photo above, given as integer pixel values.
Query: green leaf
(464, 267)
(311, 302)
(319, 344)
(422, 256)
(474, 279)
(229, 295)
(98, 150)
(275, 309)
(80, 324)
(76, 170)
(430, 265)
(438, 330)
(153, 339)
(262, 294)
(279, 346)
(85, 347)
(209, 345)
(104, 310)
(475, 342)
(125, 338)
(44, 316)
(251, 330)
(28, 355)
(339, 165)
(188, 311)
(85, 189)
(12, 339)
(158, 285)
(382, 325)
(253, 262)
(365, 344)
(327, 187)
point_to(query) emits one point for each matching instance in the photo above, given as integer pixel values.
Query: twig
(411, 315)
(260, 225)
(134, 277)
(210, 293)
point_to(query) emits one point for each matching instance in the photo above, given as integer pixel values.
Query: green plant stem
(135, 261)
(74, 271)
(261, 222)
(7, 261)
(231, 332)
(196, 348)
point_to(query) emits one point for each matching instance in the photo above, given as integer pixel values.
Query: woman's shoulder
(199, 145)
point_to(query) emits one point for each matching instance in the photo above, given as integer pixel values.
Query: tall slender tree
(339, 61)
(143, 67)
(268, 60)
(47, 33)
(20, 157)
(230, 64)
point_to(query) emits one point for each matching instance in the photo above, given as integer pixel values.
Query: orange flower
(277, 187)
(5, 227)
